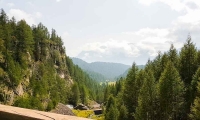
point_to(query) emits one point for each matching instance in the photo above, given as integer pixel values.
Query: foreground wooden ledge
(16, 113)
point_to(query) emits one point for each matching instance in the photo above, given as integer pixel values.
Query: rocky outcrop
(81, 107)
(62, 109)
(19, 90)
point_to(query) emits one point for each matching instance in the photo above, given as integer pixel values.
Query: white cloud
(38, 15)
(20, 14)
(192, 17)
(58, 0)
(65, 34)
(146, 44)
(187, 22)
(153, 39)
(109, 47)
(70, 44)
(147, 2)
(30, 4)
(152, 32)
(110, 51)
(10, 4)
(177, 5)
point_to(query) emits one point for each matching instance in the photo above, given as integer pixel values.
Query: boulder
(81, 107)
(62, 109)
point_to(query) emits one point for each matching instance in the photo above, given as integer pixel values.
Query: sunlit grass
(88, 114)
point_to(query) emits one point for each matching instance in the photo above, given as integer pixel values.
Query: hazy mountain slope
(108, 70)
(126, 72)
(96, 76)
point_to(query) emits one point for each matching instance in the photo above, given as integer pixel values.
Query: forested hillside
(35, 71)
(102, 71)
(167, 88)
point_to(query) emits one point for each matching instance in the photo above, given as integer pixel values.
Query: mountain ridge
(108, 69)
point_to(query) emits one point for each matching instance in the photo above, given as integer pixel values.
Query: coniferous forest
(168, 88)
(36, 73)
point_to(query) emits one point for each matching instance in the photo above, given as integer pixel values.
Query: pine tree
(40, 35)
(2, 49)
(164, 60)
(173, 56)
(53, 35)
(75, 94)
(156, 66)
(106, 93)
(198, 58)
(26, 44)
(130, 91)
(146, 100)
(111, 112)
(188, 61)
(195, 109)
(123, 113)
(119, 86)
(140, 80)
(5, 35)
(194, 85)
(3, 17)
(188, 67)
(171, 90)
(24, 36)
(84, 95)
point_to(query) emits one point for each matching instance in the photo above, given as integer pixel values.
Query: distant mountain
(126, 72)
(141, 66)
(108, 71)
(96, 76)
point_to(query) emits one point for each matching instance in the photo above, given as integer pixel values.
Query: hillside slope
(35, 72)
(108, 70)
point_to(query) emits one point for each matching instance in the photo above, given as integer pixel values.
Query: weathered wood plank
(16, 113)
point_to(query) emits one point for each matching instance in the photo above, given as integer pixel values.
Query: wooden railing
(16, 113)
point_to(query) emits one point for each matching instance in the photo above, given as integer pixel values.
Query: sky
(120, 31)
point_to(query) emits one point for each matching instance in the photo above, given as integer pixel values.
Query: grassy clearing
(88, 114)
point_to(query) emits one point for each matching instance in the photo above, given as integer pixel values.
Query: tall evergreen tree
(173, 56)
(194, 85)
(146, 101)
(24, 36)
(171, 90)
(140, 80)
(84, 95)
(3, 17)
(106, 93)
(25, 43)
(111, 112)
(188, 67)
(123, 113)
(157, 66)
(188, 61)
(195, 108)
(130, 91)
(75, 94)
(198, 58)
(164, 60)
(40, 36)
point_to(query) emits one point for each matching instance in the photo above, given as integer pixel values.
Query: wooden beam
(16, 113)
